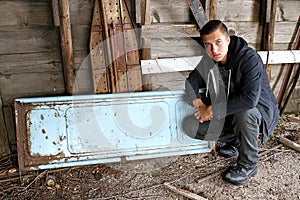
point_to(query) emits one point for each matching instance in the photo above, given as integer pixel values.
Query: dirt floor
(278, 176)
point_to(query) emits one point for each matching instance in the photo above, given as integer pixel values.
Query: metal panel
(91, 129)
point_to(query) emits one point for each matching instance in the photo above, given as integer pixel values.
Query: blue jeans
(240, 130)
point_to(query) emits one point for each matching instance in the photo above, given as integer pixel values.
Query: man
(236, 102)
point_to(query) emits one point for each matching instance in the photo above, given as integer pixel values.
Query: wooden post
(146, 54)
(66, 46)
(271, 33)
(4, 145)
(146, 50)
(213, 9)
(55, 12)
(269, 10)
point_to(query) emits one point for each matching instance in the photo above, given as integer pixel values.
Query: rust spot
(62, 138)
(46, 137)
(43, 131)
(54, 142)
(42, 117)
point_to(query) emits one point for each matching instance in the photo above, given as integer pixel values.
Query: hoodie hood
(237, 48)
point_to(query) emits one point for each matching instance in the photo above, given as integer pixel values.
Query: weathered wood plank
(238, 11)
(30, 62)
(174, 47)
(248, 10)
(34, 84)
(169, 30)
(248, 30)
(170, 11)
(287, 10)
(283, 31)
(169, 65)
(24, 13)
(81, 35)
(28, 39)
(81, 12)
(233, 10)
(167, 81)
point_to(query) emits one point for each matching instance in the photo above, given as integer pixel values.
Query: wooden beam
(167, 65)
(66, 46)
(138, 14)
(213, 9)
(10, 126)
(270, 33)
(146, 50)
(170, 31)
(4, 145)
(279, 57)
(55, 13)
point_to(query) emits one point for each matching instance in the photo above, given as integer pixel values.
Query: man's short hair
(213, 25)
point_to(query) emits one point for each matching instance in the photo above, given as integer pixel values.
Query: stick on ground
(184, 193)
(289, 143)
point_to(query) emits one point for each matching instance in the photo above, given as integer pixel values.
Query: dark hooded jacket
(246, 85)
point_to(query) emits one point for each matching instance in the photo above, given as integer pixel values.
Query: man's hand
(201, 111)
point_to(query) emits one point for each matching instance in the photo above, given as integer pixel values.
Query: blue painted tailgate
(79, 130)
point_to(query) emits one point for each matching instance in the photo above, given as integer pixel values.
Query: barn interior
(86, 48)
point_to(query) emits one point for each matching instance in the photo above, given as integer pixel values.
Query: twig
(268, 150)
(270, 156)
(184, 192)
(36, 178)
(289, 143)
(13, 178)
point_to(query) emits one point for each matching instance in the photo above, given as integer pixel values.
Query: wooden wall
(242, 17)
(30, 53)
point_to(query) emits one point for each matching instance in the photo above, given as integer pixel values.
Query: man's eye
(219, 42)
(207, 44)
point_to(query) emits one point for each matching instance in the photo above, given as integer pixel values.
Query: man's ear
(228, 39)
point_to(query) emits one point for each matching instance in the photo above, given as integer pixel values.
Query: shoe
(239, 175)
(227, 151)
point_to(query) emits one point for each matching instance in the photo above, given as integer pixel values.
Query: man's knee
(250, 116)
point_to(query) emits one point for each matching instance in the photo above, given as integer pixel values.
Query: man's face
(216, 45)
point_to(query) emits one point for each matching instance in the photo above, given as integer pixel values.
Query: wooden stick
(268, 150)
(289, 143)
(4, 144)
(66, 46)
(183, 192)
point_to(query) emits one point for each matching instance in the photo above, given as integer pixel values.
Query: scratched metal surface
(69, 131)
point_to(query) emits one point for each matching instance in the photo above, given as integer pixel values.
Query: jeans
(240, 130)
